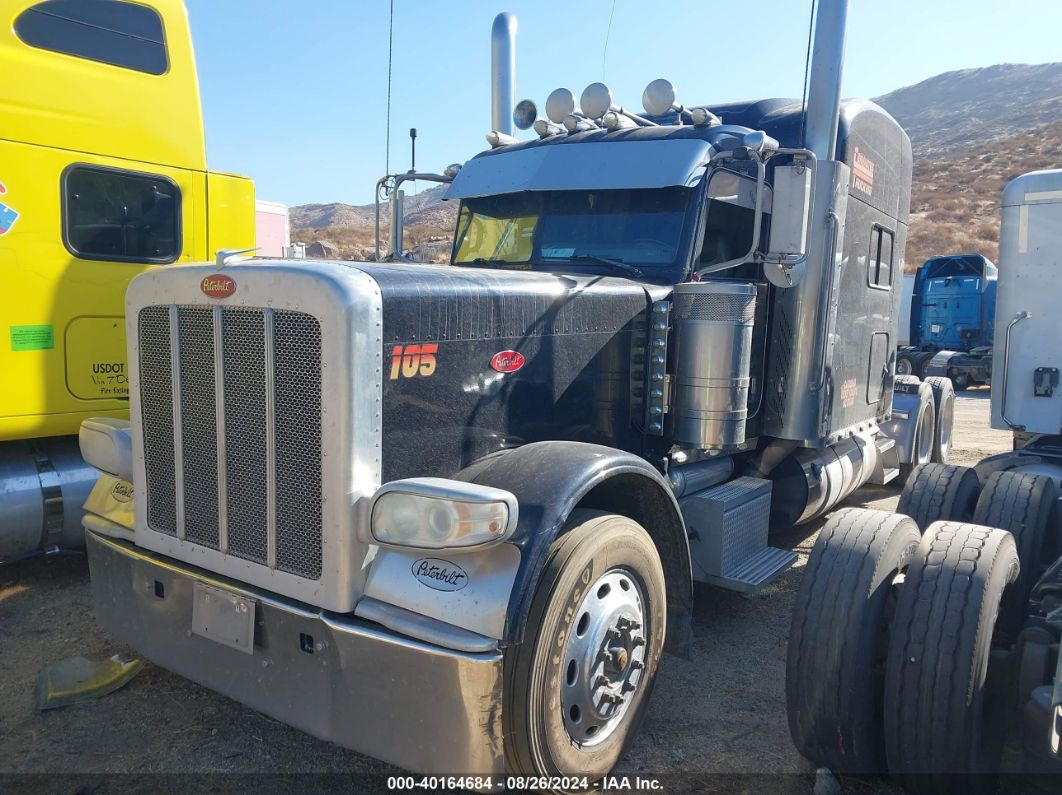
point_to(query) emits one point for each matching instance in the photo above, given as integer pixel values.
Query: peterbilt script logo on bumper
(442, 575)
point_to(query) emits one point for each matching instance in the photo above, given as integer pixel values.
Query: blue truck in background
(951, 321)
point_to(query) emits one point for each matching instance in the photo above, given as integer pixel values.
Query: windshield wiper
(616, 264)
(482, 262)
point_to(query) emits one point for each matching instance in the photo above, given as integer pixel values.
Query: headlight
(433, 513)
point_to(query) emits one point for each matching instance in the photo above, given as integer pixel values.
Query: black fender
(550, 479)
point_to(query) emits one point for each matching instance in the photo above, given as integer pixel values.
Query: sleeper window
(121, 216)
(116, 33)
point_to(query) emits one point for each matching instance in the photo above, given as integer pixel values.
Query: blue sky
(295, 93)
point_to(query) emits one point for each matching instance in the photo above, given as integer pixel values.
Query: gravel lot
(720, 716)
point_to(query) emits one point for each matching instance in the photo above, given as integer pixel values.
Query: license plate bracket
(223, 617)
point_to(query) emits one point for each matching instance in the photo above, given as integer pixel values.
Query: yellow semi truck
(102, 175)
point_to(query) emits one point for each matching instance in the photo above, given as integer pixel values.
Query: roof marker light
(617, 121)
(703, 117)
(495, 138)
(573, 123)
(545, 129)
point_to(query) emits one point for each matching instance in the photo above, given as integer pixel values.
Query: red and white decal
(217, 285)
(507, 361)
(862, 172)
(849, 389)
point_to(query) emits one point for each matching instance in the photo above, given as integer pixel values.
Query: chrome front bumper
(409, 703)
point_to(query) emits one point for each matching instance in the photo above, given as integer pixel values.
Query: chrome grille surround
(256, 423)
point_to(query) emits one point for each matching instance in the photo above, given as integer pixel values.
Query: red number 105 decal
(408, 361)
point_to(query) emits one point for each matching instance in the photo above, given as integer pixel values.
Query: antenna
(390, 46)
(807, 64)
(413, 148)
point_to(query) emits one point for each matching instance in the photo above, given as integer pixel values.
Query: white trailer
(272, 228)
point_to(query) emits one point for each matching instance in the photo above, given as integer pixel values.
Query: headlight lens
(437, 521)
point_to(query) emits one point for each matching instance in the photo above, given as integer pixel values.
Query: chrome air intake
(712, 362)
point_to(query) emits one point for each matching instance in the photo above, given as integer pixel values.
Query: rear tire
(598, 614)
(944, 411)
(939, 492)
(904, 364)
(839, 636)
(942, 730)
(1021, 504)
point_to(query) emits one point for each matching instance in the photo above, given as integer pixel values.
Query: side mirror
(786, 260)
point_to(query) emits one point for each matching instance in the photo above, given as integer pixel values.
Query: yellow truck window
(115, 215)
(116, 33)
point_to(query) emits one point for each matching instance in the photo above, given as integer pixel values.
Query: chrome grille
(233, 462)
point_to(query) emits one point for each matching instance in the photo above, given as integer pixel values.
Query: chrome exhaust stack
(824, 80)
(502, 73)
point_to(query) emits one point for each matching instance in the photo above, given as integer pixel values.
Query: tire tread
(943, 617)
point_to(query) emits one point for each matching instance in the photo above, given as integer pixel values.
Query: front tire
(577, 687)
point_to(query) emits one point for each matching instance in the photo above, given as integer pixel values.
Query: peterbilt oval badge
(217, 285)
(122, 491)
(507, 361)
(442, 575)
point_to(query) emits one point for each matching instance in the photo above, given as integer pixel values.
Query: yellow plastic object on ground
(78, 679)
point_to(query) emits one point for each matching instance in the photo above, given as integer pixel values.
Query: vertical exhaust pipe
(824, 89)
(502, 72)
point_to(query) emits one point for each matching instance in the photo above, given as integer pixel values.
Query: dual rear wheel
(890, 647)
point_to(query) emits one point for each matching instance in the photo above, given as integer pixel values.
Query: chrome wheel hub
(604, 657)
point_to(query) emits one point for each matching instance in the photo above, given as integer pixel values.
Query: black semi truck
(451, 516)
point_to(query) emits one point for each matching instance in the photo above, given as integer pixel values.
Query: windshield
(639, 228)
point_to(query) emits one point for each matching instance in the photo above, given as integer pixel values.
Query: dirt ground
(719, 717)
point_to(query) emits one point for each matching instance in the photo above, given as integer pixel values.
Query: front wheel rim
(903, 367)
(604, 658)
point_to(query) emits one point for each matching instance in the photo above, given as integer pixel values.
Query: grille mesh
(156, 399)
(714, 306)
(199, 431)
(296, 390)
(243, 334)
(297, 341)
